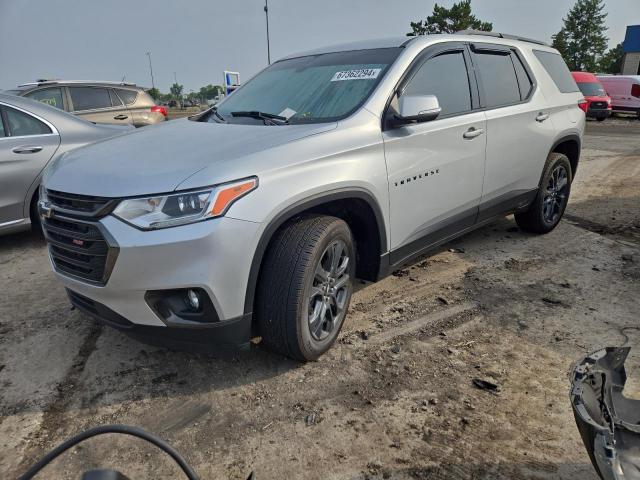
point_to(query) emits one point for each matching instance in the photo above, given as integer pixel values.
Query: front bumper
(233, 334)
(599, 113)
(213, 255)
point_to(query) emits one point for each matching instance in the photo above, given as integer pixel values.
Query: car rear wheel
(305, 286)
(551, 200)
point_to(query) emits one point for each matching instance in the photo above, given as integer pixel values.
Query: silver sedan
(31, 135)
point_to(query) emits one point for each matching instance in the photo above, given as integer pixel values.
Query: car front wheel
(305, 286)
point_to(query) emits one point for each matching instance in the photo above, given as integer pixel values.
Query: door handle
(473, 133)
(27, 149)
(120, 117)
(542, 117)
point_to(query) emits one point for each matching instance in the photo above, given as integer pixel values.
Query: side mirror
(417, 109)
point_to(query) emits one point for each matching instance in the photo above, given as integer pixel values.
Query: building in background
(631, 49)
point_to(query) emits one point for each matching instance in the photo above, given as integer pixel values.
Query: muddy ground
(393, 399)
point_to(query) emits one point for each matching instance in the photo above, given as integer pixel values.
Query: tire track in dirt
(53, 418)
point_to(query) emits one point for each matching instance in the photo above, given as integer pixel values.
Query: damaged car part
(609, 422)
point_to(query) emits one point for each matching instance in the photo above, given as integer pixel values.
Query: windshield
(592, 89)
(313, 89)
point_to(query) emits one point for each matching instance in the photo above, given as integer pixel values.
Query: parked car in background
(598, 103)
(624, 91)
(361, 158)
(97, 102)
(31, 135)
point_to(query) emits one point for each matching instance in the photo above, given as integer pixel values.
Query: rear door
(435, 168)
(139, 106)
(98, 105)
(27, 143)
(519, 130)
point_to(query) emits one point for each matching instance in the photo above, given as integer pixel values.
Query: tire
(36, 224)
(601, 119)
(547, 209)
(290, 293)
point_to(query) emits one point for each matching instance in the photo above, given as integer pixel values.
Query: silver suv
(97, 102)
(339, 164)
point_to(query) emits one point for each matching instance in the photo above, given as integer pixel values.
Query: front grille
(78, 248)
(81, 205)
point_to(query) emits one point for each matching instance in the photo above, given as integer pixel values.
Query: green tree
(583, 35)
(155, 93)
(176, 90)
(449, 20)
(560, 43)
(611, 62)
(210, 92)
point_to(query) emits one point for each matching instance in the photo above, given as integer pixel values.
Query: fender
(297, 208)
(570, 137)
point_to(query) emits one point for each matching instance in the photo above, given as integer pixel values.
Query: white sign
(361, 74)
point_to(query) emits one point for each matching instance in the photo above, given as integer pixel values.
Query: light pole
(266, 12)
(175, 79)
(153, 85)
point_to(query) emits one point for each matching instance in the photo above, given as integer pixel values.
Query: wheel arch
(569, 145)
(357, 206)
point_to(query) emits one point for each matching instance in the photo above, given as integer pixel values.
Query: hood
(158, 158)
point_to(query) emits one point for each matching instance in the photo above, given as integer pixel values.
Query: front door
(435, 169)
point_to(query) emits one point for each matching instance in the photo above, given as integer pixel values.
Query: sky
(199, 39)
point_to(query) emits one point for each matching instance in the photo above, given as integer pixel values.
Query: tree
(449, 20)
(583, 35)
(210, 91)
(560, 43)
(176, 91)
(611, 62)
(155, 93)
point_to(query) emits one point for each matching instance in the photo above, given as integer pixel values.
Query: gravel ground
(394, 398)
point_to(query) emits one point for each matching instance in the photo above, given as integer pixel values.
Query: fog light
(194, 299)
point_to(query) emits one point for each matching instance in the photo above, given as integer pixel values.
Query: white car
(256, 216)
(624, 91)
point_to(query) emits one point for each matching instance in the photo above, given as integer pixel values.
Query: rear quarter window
(557, 70)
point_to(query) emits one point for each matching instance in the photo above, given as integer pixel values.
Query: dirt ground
(393, 399)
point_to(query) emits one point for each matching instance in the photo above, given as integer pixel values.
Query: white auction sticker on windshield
(360, 74)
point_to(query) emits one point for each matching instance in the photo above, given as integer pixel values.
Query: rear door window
(127, 96)
(115, 100)
(50, 96)
(524, 80)
(89, 98)
(2, 134)
(557, 70)
(21, 124)
(444, 76)
(498, 76)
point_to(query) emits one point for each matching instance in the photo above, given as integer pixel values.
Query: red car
(598, 103)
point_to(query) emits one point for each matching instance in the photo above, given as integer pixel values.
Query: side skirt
(512, 202)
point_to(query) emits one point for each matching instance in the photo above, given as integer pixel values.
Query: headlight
(162, 211)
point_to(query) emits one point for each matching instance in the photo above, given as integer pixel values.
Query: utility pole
(175, 79)
(153, 85)
(266, 12)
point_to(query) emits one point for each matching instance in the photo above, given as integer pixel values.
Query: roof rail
(500, 35)
(101, 82)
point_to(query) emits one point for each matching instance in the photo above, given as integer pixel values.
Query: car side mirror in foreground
(417, 109)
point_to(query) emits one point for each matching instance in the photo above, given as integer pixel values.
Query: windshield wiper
(214, 110)
(267, 118)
